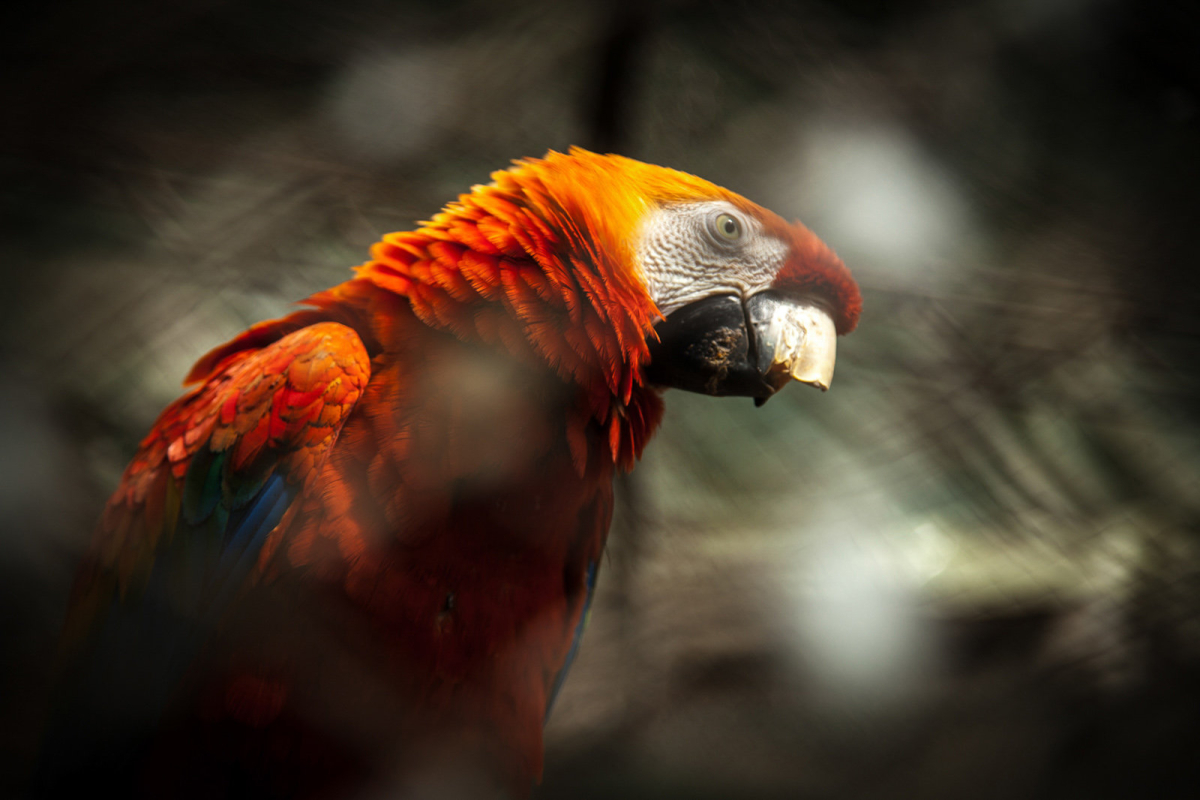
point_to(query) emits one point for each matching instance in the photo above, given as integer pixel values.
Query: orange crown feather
(541, 262)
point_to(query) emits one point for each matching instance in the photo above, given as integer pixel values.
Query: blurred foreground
(970, 569)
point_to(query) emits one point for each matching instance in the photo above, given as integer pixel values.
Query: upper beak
(724, 346)
(796, 339)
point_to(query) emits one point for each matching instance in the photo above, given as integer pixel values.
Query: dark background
(972, 569)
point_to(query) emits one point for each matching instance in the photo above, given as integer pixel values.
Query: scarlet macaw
(359, 551)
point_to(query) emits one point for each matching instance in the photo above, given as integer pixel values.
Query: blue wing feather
(577, 638)
(141, 650)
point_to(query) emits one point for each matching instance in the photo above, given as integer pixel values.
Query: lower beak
(723, 346)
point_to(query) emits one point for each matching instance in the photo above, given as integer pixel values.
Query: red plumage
(446, 426)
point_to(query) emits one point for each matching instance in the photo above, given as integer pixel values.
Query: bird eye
(727, 228)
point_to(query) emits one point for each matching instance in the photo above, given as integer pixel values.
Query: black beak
(722, 346)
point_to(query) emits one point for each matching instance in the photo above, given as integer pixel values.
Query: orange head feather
(550, 246)
(543, 262)
(610, 195)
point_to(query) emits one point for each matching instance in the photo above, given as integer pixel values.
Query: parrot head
(739, 302)
(749, 303)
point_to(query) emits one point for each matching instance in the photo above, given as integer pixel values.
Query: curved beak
(722, 346)
(796, 339)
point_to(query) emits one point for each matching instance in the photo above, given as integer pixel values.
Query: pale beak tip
(813, 363)
(801, 341)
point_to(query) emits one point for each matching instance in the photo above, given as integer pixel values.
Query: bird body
(372, 528)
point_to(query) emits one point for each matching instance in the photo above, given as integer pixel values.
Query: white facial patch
(684, 259)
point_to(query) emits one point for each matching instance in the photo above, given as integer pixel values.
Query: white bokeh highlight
(859, 631)
(882, 201)
(390, 105)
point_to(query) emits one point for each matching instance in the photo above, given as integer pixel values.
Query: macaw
(359, 552)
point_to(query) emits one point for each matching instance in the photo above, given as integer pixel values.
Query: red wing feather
(273, 409)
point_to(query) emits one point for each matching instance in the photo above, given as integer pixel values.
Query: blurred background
(972, 569)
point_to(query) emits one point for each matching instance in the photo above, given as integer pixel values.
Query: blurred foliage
(970, 569)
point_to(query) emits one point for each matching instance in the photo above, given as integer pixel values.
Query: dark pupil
(730, 226)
